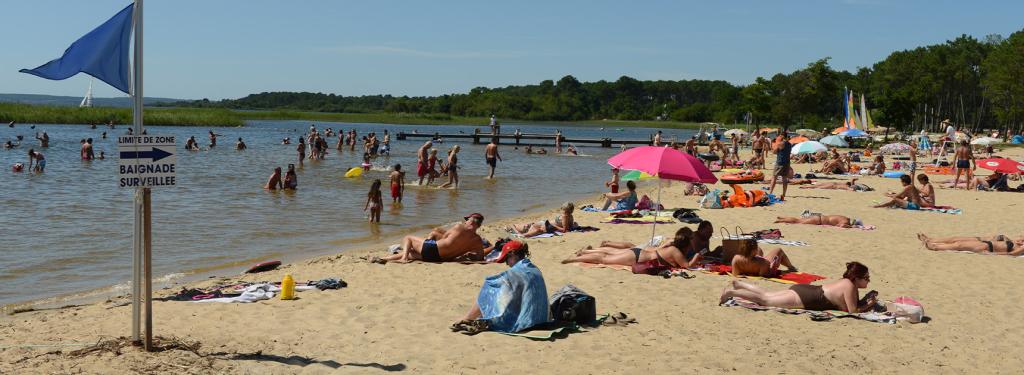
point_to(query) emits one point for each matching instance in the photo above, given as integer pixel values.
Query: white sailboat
(87, 100)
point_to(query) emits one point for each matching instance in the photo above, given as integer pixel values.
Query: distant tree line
(978, 84)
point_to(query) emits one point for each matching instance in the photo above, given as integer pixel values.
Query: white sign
(146, 160)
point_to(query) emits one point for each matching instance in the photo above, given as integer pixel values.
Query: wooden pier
(517, 139)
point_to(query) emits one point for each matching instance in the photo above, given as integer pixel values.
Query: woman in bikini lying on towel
(851, 185)
(840, 295)
(818, 219)
(753, 261)
(993, 245)
(671, 254)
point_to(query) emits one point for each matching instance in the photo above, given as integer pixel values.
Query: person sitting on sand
(927, 191)
(877, 168)
(851, 185)
(563, 223)
(836, 165)
(625, 200)
(275, 180)
(458, 240)
(752, 261)
(993, 245)
(819, 219)
(839, 295)
(671, 254)
(909, 198)
(511, 301)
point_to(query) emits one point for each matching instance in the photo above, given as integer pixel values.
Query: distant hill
(73, 101)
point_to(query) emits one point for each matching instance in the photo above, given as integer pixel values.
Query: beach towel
(638, 220)
(784, 277)
(515, 299)
(942, 209)
(815, 315)
(779, 241)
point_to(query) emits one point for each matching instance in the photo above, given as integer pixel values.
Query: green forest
(978, 84)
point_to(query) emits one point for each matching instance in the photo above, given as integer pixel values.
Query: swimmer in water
(275, 180)
(397, 184)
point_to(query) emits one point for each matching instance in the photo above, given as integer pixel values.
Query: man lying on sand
(993, 245)
(671, 254)
(840, 295)
(819, 219)
(511, 301)
(458, 240)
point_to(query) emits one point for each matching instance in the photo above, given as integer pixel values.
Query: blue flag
(102, 53)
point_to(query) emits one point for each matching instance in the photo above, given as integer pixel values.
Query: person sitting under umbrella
(625, 200)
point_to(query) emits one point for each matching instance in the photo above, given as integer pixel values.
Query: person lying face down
(839, 295)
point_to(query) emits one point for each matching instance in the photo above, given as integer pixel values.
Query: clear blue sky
(227, 49)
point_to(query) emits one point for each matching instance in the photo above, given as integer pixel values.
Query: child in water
(374, 201)
(366, 162)
(291, 180)
(397, 184)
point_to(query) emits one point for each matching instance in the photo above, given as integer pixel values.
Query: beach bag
(733, 244)
(650, 267)
(572, 305)
(712, 199)
(906, 308)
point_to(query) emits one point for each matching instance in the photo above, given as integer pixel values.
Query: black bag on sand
(570, 304)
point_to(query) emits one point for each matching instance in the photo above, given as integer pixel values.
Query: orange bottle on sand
(287, 287)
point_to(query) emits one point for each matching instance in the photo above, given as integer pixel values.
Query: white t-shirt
(950, 131)
(493, 120)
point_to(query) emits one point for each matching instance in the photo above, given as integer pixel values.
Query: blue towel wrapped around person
(514, 300)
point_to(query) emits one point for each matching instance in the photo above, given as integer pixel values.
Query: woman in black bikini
(840, 295)
(995, 245)
(671, 254)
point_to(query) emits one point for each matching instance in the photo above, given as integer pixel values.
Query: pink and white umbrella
(663, 162)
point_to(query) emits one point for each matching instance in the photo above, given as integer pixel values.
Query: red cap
(510, 246)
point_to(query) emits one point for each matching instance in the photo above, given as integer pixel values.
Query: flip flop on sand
(471, 327)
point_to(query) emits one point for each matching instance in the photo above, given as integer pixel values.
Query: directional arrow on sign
(155, 153)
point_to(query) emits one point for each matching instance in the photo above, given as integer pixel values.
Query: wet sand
(396, 316)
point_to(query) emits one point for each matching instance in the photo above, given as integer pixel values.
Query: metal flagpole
(141, 203)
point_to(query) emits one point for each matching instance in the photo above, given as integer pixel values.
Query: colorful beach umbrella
(853, 133)
(635, 176)
(1008, 166)
(985, 141)
(798, 139)
(665, 163)
(894, 148)
(834, 140)
(809, 147)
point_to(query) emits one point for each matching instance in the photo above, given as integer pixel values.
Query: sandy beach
(395, 317)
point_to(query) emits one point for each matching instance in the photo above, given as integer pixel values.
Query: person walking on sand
(375, 201)
(397, 184)
(38, 158)
(301, 148)
(453, 169)
(421, 161)
(274, 182)
(735, 148)
(432, 167)
(965, 163)
(492, 156)
(782, 168)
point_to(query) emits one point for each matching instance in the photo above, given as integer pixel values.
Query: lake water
(67, 232)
